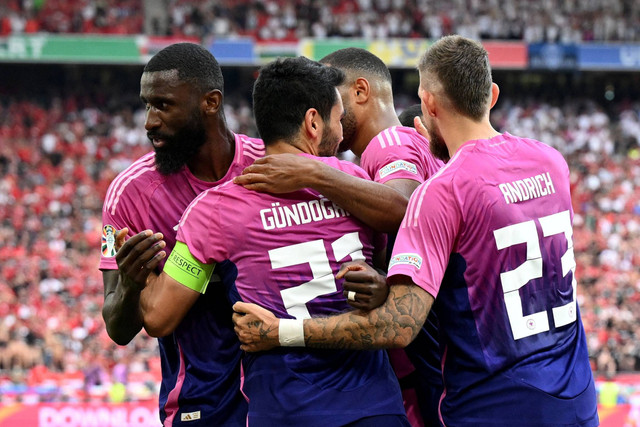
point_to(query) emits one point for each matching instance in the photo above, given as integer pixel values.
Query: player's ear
(311, 123)
(212, 101)
(495, 92)
(361, 90)
(429, 104)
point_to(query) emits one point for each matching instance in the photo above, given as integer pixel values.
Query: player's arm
(404, 186)
(168, 297)
(394, 324)
(122, 287)
(377, 205)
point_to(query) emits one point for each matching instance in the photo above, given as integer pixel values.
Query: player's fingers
(359, 288)
(154, 262)
(121, 236)
(419, 126)
(258, 186)
(249, 178)
(247, 347)
(148, 262)
(131, 243)
(261, 160)
(349, 266)
(358, 305)
(241, 308)
(133, 255)
(235, 317)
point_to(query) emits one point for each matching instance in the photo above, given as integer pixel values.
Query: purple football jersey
(287, 249)
(491, 236)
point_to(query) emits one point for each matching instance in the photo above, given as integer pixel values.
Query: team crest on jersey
(407, 259)
(108, 241)
(398, 165)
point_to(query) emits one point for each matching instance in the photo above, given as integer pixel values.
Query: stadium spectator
(549, 21)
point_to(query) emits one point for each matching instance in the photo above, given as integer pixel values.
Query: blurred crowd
(58, 156)
(566, 21)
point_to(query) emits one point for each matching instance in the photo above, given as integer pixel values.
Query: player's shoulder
(248, 148)
(538, 149)
(343, 165)
(398, 137)
(223, 191)
(134, 182)
(216, 199)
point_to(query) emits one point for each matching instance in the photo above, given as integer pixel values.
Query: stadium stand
(543, 21)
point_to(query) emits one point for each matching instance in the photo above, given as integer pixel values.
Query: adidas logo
(190, 416)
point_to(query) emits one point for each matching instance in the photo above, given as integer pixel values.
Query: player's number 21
(525, 232)
(313, 253)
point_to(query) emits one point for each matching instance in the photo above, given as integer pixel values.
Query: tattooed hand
(257, 328)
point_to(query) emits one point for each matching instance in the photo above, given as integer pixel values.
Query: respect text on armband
(185, 265)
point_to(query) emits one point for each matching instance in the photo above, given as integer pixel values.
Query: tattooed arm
(394, 324)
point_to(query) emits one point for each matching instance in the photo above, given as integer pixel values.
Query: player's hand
(363, 287)
(138, 257)
(257, 328)
(420, 127)
(277, 173)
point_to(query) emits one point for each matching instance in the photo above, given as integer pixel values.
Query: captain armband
(186, 269)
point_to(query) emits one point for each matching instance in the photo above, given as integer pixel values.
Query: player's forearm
(163, 303)
(121, 313)
(156, 324)
(377, 205)
(394, 324)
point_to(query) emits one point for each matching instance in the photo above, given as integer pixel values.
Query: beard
(348, 131)
(438, 148)
(179, 148)
(329, 143)
(437, 145)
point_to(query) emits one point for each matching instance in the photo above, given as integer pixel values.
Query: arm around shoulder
(379, 206)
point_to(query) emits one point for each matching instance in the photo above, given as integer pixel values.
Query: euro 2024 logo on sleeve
(108, 241)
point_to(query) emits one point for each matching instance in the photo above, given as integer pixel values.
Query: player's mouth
(157, 141)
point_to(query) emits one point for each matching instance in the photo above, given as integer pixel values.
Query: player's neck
(282, 147)
(375, 123)
(461, 130)
(214, 157)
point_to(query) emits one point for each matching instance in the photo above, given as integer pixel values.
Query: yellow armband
(183, 267)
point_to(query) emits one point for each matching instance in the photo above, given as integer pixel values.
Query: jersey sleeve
(395, 154)
(201, 240)
(427, 235)
(119, 211)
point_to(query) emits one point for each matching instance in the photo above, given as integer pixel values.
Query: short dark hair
(461, 66)
(194, 64)
(407, 115)
(358, 60)
(285, 89)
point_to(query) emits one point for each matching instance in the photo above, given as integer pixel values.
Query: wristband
(291, 332)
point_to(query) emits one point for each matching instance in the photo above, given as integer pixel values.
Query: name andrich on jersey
(300, 213)
(527, 188)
